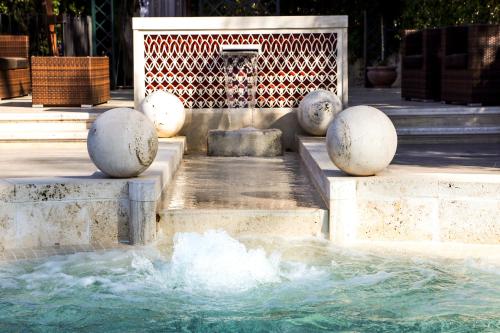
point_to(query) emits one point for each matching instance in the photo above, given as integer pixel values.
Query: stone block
(245, 142)
(399, 219)
(397, 187)
(109, 221)
(50, 223)
(470, 221)
(142, 222)
(59, 189)
(144, 189)
(200, 121)
(343, 220)
(475, 188)
(297, 223)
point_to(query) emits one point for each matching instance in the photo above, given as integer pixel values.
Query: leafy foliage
(27, 17)
(438, 13)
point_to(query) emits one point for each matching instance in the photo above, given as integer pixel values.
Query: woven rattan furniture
(70, 81)
(14, 66)
(421, 64)
(471, 64)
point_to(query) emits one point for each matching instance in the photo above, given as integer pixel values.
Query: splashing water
(214, 261)
(214, 283)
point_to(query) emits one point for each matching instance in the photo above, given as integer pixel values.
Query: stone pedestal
(246, 141)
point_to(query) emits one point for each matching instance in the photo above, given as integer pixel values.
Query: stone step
(300, 222)
(483, 134)
(45, 126)
(35, 135)
(457, 124)
(48, 116)
(446, 118)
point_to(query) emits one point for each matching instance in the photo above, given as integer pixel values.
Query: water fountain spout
(240, 71)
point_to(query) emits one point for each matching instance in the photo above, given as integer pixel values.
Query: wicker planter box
(70, 81)
(14, 66)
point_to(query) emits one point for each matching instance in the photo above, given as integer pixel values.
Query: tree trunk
(49, 12)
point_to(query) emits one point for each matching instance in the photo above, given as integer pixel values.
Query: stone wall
(405, 206)
(45, 212)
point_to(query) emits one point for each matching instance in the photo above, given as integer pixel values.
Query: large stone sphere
(122, 143)
(317, 110)
(361, 141)
(166, 112)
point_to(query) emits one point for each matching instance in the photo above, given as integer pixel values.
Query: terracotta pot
(381, 76)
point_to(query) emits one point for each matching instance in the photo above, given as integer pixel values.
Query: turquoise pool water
(213, 283)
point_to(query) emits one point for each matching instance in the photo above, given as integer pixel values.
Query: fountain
(240, 72)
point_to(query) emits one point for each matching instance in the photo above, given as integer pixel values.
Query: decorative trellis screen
(298, 55)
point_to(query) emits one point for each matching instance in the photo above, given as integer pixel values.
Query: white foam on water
(369, 279)
(215, 261)
(212, 262)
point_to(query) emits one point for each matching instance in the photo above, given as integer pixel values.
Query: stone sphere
(317, 110)
(122, 143)
(361, 141)
(166, 112)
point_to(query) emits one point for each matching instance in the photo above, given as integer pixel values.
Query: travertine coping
(405, 205)
(85, 211)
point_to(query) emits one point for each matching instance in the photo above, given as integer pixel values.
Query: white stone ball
(317, 110)
(361, 141)
(122, 143)
(166, 112)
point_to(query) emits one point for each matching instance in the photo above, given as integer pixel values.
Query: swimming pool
(213, 283)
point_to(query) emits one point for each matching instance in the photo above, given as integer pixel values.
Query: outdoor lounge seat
(471, 64)
(420, 68)
(14, 66)
(7, 63)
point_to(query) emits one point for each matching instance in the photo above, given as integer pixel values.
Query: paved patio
(119, 98)
(390, 99)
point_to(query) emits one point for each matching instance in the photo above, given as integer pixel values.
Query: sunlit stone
(166, 112)
(122, 143)
(361, 141)
(317, 110)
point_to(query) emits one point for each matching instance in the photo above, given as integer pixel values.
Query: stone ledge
(41, 212)
(403, 204)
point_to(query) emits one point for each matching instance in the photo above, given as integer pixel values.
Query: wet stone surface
(242, 183)
(246, 141)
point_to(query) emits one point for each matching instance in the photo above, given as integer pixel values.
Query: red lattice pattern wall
(191, 66)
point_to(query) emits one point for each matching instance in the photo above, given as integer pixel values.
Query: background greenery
(26, 16)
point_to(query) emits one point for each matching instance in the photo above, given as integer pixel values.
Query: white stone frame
(252, 24)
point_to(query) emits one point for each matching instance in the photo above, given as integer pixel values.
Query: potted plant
(381, 75)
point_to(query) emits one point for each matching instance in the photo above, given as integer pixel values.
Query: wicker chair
(14, 66)
(421, 64)
(471, 64)
(70, 81)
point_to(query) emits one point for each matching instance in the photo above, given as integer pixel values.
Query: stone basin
(247, 141)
